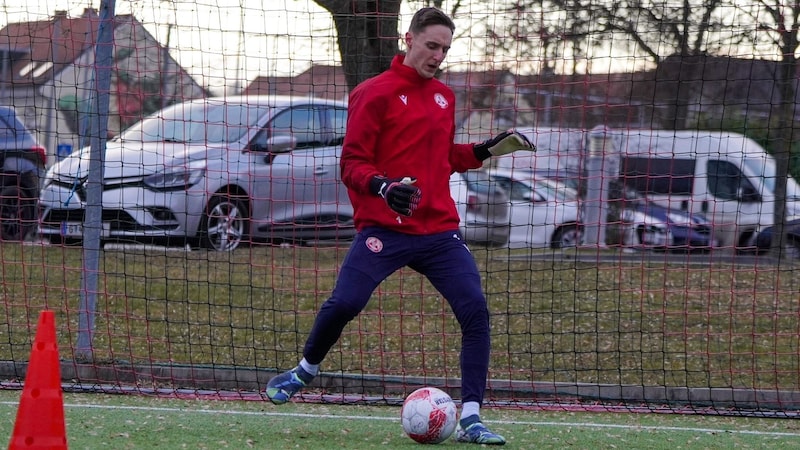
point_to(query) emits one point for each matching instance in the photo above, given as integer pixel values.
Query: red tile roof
(43, 46)
(318, 81)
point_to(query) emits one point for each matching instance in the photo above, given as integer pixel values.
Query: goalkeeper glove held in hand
(399, 193)
(502, 144)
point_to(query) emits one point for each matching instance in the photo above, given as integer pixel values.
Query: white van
(725, 176)
(557, 149)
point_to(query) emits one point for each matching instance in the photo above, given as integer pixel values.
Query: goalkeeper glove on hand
(502, 144)
(399, 193)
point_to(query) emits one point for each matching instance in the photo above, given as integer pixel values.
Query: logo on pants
(374, 244)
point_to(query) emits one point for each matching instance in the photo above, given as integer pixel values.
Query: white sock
(311, 369)
(470, 409)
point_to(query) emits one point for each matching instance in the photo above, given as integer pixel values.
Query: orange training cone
(40, 415)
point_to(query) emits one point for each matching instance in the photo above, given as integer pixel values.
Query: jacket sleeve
(358, 152)
(462, 158)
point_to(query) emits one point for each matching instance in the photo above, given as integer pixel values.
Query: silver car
(482, 207)
(215, 172)
(543, 213)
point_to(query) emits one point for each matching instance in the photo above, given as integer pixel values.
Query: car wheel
(224, 225)
(17, 214)
(749, 245)
(650, 238)
(567, 236)
(792, 250)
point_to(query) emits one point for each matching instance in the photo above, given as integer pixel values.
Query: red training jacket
(401, 124)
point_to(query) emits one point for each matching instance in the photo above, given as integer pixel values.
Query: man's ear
(408, 39)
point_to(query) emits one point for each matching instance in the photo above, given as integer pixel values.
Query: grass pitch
(96, 421)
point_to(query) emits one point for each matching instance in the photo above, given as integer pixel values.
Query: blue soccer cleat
(471, 430)
(282, 387)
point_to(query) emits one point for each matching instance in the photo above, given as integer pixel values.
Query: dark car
(23, 161)
(791, 244)
(682, 230)
(637, 222)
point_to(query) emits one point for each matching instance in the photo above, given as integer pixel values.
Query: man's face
(427, 49)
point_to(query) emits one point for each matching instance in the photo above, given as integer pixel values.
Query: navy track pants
(445, 260)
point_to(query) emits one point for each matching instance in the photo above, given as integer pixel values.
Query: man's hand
(399, 193)
(503, 144)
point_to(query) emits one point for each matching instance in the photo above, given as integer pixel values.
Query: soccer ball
(429, 415)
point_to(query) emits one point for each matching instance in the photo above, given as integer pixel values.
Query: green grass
(133, 422)
(646, 323)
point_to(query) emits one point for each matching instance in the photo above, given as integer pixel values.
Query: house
(497, 99)
(47, 74)
(321, 81)
(702, 91)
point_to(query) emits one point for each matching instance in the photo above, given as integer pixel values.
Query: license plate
(75, 229)
(71, 229)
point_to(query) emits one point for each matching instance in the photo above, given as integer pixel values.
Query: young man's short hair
(426, 17)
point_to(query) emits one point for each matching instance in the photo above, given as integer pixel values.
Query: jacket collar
(407, 72)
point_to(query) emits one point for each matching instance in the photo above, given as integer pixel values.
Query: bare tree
(778, 22)
(544, 31)
(655, 28)
(367, 35)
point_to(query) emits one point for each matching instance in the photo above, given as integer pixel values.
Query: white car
(541, 214)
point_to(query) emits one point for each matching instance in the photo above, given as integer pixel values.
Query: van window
(658, 176)
(726, 181)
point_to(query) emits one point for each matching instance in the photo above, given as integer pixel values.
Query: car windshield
(557, 191)
(197, 122)
(10, 127)
(6, 131)
(479, 181)
(765, 168)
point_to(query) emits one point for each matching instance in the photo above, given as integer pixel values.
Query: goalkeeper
(398, 155)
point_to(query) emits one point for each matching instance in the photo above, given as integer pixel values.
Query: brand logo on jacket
(440, 100)
(404, 99)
